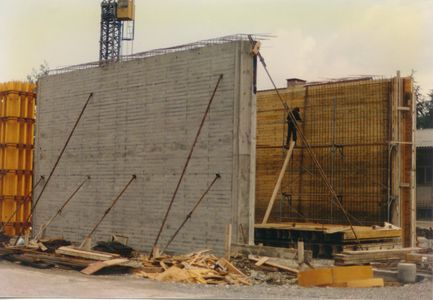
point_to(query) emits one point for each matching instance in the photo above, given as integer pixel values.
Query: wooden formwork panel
(348, 127)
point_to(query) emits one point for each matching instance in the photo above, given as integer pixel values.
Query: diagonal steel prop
(56, 163)
(108, 210)
(188, 216)
(186, 164)
(18, 206)
(45, 226)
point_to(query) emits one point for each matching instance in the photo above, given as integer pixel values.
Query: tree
(424, 109)
(36, 74)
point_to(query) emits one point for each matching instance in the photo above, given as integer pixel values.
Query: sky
(313, 39)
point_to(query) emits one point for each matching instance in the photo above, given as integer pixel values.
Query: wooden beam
(278, 252)
(99, 265)
(261, 261)
(383, 251)
(278, 184)
(231, 268)
(301, 257)
(365, 283)
(228, 241)
(273, 264)
(95, 255)
(413, 167)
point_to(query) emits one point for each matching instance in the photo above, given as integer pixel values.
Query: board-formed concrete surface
(142, 120)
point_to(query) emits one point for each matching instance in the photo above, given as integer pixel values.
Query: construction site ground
(22, 281)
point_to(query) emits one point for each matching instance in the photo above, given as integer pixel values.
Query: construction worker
(291, 125)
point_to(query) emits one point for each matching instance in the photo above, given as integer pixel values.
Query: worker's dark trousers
(291, 130)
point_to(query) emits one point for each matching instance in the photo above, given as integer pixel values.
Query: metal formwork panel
(17, 118)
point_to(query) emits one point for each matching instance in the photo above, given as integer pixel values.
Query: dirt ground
(21, 281)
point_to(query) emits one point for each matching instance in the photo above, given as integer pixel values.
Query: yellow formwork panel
(17, 118)
(17, 99)
(7, 208)
(15, 184)
(15, 194)
(15, 131)
(16, 158)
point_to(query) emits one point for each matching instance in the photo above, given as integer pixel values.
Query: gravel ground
(20, 281)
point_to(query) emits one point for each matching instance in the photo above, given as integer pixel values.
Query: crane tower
(117, 27)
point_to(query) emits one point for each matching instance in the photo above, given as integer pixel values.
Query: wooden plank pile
(37, 258)
(369, 256)
(197, 267)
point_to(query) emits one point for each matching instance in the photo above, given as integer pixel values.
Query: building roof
(424, 138)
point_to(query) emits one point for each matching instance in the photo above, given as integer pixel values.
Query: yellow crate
(17, 118)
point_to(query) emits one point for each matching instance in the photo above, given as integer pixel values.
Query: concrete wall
(142, 120)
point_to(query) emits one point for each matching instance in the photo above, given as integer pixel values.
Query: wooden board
(345, 274)
(95, 255)
(420, 257)
(95, 267)
(278, 183)
(365, 283)
(231, 268)
(363, 232)
(273, 264)
(383, 252)
(362, 257)
(48, 258)
(336, 276)
(287, 253)
(261, 261)
(316, 277)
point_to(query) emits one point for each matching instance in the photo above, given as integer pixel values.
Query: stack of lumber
(197, 267)
(369, 256)
(88, 262)
(36, 258)
(423, 261)
(353, 276)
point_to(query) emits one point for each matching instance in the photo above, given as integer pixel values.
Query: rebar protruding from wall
(57, 162)
(188, 216)
(45, 226)
(186, 163)
(109, 209)
(18, 206)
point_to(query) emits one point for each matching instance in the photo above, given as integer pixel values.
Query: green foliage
(424, 110)
(36, 74)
